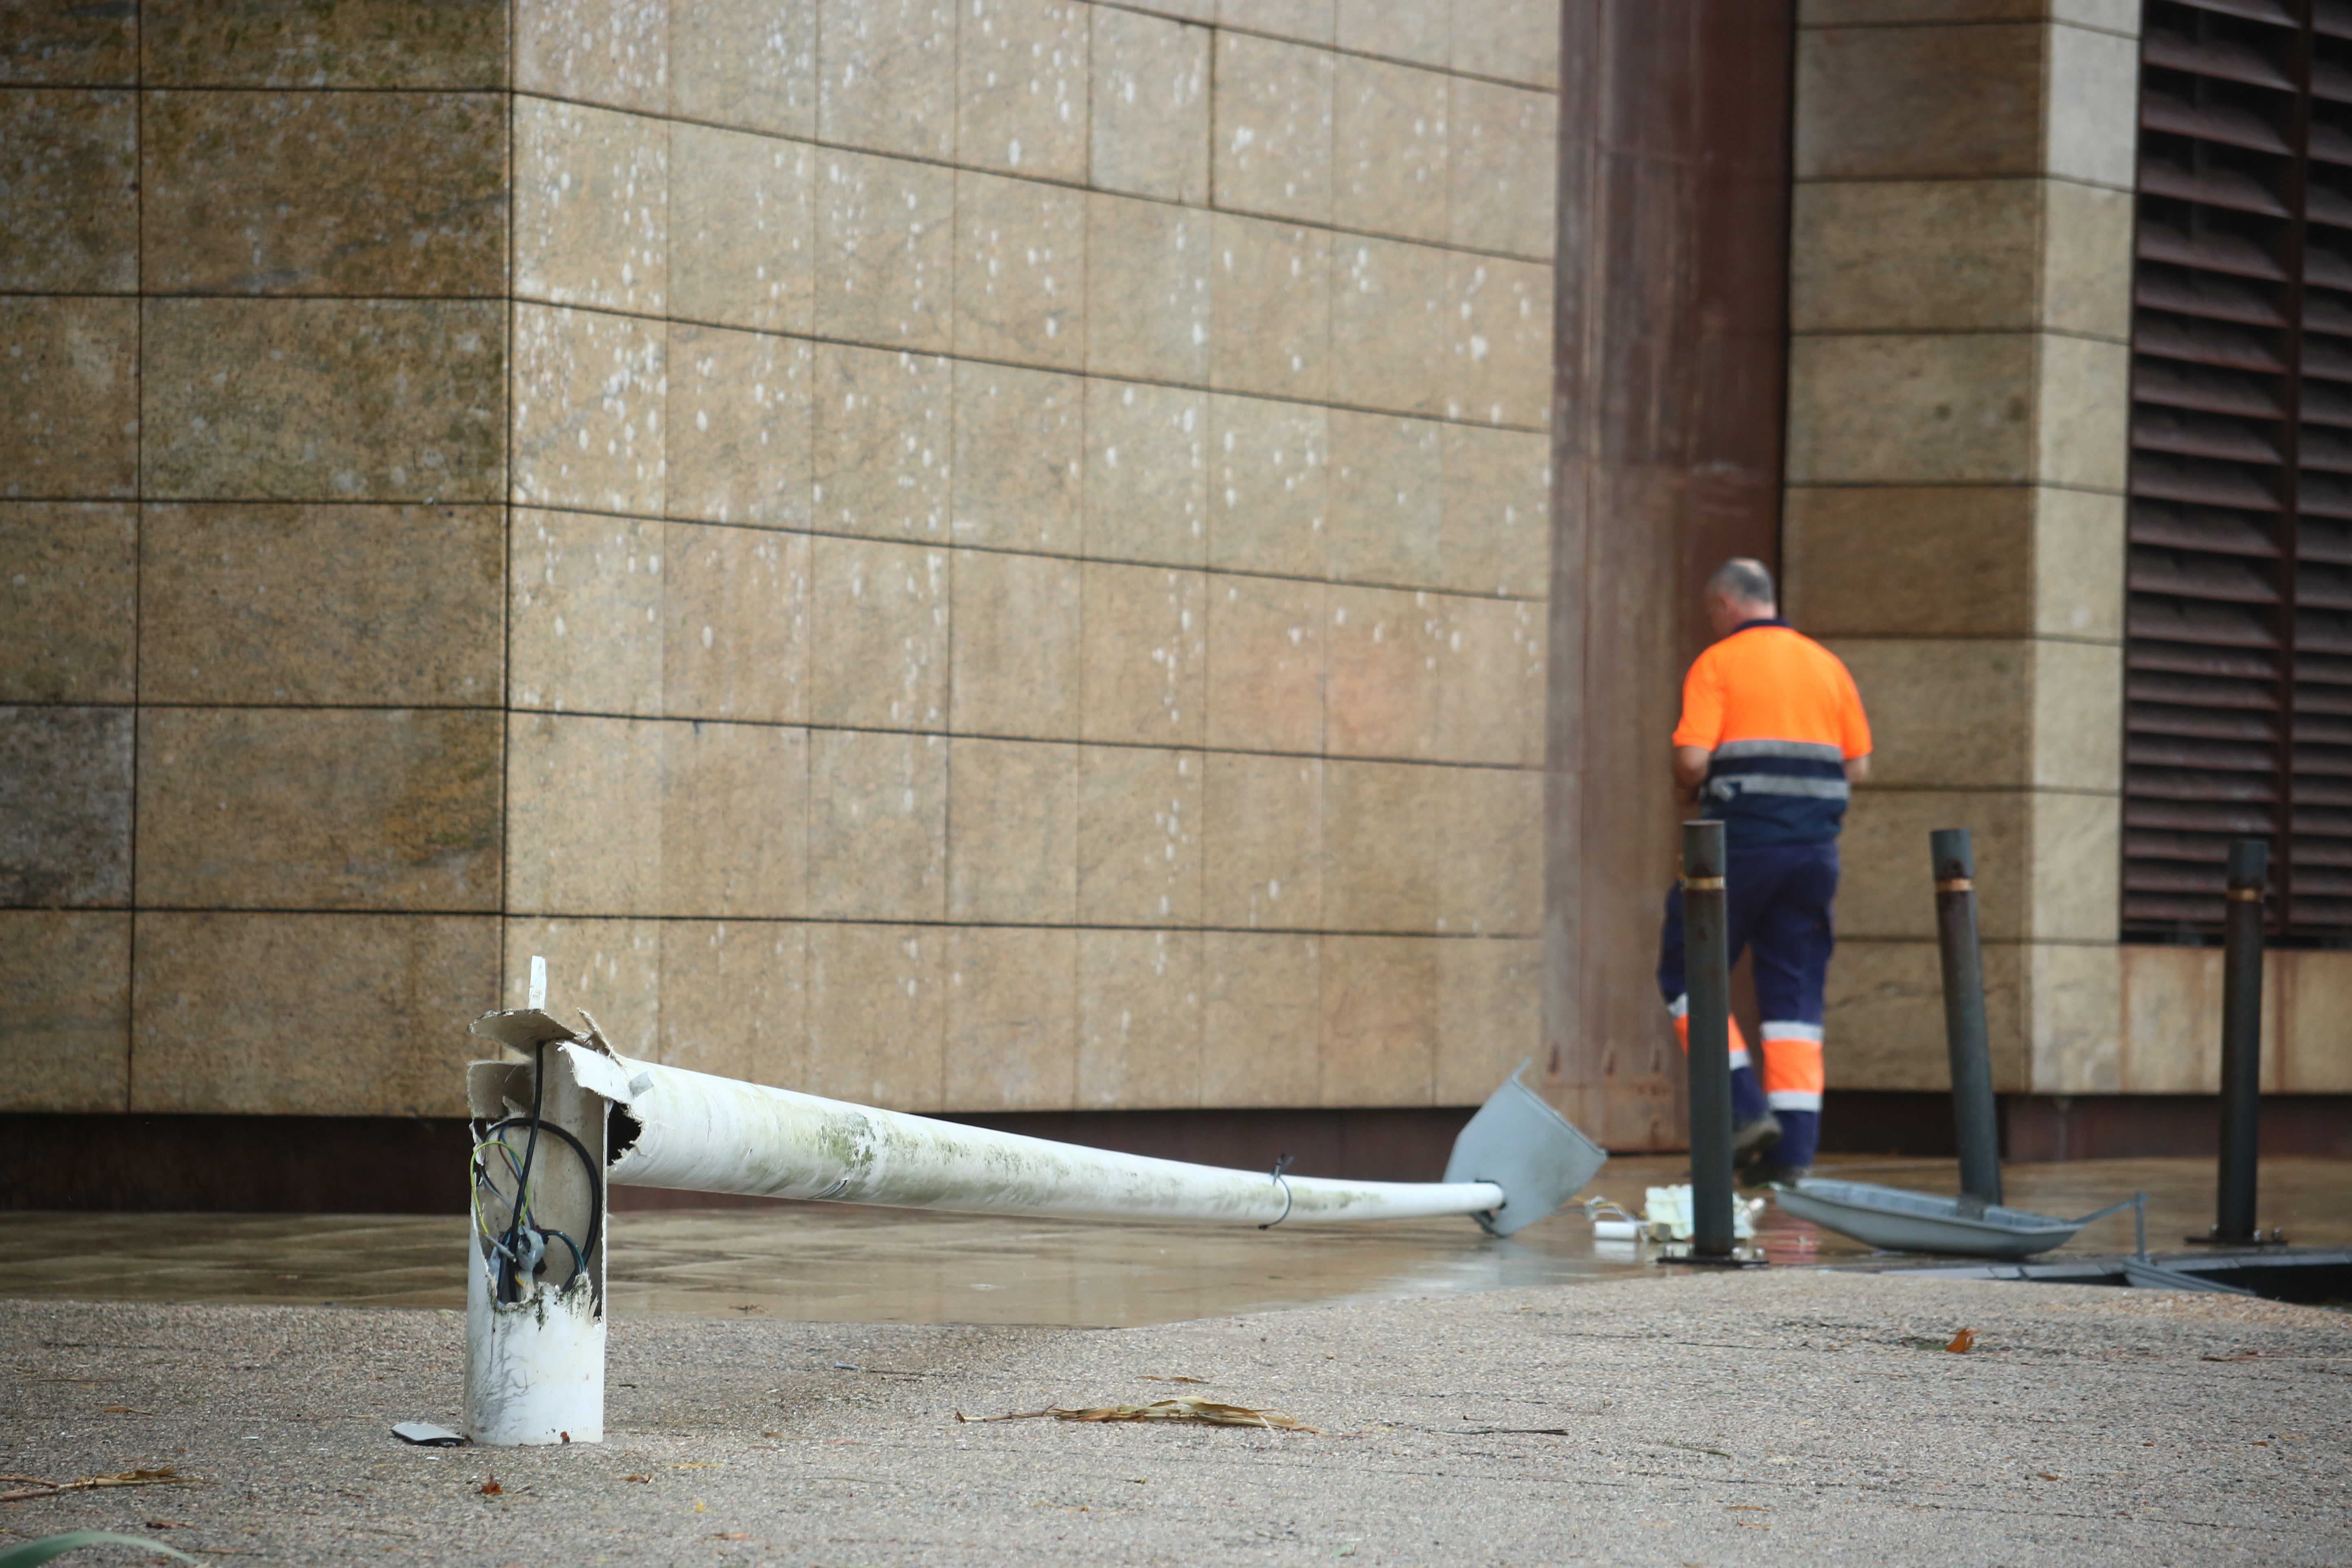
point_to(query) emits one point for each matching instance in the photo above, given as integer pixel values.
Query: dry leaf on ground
(1206, 1412)
(1963, 1343)
(163, 1475)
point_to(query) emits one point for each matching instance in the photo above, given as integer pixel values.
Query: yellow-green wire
(514, 1168)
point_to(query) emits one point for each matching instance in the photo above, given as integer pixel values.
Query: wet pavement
(837, 1263)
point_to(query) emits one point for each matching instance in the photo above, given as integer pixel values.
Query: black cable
(595, 1184)
(513, 1291)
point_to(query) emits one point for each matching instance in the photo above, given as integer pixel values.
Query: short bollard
(2241, 1047)
(1974, 1115)
(1707, 971)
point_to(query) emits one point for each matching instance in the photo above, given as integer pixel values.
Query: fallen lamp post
(567, 1117)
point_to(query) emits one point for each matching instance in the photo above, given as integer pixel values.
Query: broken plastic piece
(424, 1434)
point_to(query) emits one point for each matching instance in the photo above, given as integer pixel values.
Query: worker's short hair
(1748, 582)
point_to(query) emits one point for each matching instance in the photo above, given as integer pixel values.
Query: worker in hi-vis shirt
(1772, 740)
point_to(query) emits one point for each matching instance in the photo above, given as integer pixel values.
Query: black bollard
(1707, 959)
(1974, 1115)
(2242, 1039)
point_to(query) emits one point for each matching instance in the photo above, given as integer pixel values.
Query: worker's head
(1741, 591)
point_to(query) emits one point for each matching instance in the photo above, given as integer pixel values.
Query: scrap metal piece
(1521, 1144)
(424, 1434)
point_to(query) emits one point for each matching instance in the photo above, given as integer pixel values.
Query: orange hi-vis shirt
(1782, 715)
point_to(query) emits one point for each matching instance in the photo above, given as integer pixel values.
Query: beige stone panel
(1021, 99)
(1920, 102)
(225, 1010)
(735, 820)
(1020, 458)
(1487, 826)
(614, 52)
(1383, 865)
(1495, 522)
(588, 395)
(1489, 1014)
(611, 967)
(1149, 108)
(736, 624)
(1012, 831)
(1262, 860)
(1945, 714)
(2087, 257)
(312, 808)
(1271, 138)
(585, 629)
(734, 1000)
(1380, 651)
(878, 634)
(2314, 994)
(877, 1014)
(741, 417)
(1894, 561)
(49, 43)
(2078, 715)
(321, 604)
(1268, 486)
(1380, 1020)
(591, 206)
(1890, 410)
(1880, 256)
(64, 1035)
(65, 806)
(2078, 564)
(2073, 1003)
(323, 399)
(1139, 837)
(884, 250)
(1140, 1019)
(1886, 889)
(2076, 867)
(1012, 1024)
(331, 192)
(72, 194)
(1390, 142)
(1311, 20)
(2083, 432)
(1502, 148)
(1270, 298)
(1387, 499)
(2093, 98)
(583, 814)
(69, 593)
(2172, 1021)
(878, 826)
(72, 382)
(1145, 492)
(1517, 40)
(749, 64)
(1411, 30)
(1147, 288)
(352, 42)
(1497, 341)
(742, 208)
(1144, 672)
(1390, 336)
(883, 437)
(1490, 681)
(1266, 663)
(1019, 645)
(1020, 270)
(887, 75)
(1261, 1018)
(1882, 1018)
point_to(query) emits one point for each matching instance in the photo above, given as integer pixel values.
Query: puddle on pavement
(829, 1262)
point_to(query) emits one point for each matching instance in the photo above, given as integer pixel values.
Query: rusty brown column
(1670, 363)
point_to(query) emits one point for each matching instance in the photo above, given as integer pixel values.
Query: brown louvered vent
(2239, 645)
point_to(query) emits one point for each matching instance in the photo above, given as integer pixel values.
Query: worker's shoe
(1772, 1173)
(1751, 1139)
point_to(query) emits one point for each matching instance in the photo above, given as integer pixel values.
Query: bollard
(1708, 978)
(2241, 1041)
(1974, 1114)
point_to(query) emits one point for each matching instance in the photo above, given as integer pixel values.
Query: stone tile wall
(970, 556)
(1959, 401)
(1030, 520)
